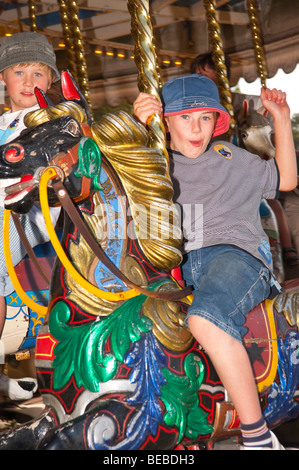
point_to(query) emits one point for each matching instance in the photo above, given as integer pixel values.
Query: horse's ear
(42, 99)
(262, 110)
(71, 92)
(245, 108)
(251, 105)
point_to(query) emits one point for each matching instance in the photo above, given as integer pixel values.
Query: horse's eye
(14, 153)
(73, 128)
(244, 135)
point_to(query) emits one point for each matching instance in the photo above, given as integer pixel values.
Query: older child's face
(20, 81)
(191, 133)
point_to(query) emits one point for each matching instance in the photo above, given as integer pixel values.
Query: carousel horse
(254, 130)
(117, 367)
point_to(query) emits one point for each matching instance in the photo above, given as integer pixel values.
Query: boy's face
(20, 81)
(191, 132)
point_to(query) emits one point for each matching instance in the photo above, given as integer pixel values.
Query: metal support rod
(256, 33)
(149, 79)
(32, 15)
(78, 47)
(219, 59)
(67, 36)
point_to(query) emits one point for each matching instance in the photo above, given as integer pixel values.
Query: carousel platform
(14, 413)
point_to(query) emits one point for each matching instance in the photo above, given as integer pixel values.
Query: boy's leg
(233, 367)
(228, 284)
(232, 364)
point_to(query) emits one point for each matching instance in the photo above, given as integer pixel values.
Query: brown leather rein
(77, 220)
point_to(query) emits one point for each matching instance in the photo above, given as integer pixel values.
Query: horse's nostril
(14, 154)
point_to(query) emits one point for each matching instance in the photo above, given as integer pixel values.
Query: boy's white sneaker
(275, 445)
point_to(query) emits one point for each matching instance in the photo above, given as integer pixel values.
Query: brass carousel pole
(149, 80)
(32, 15)
(67, 36)
(218, 58)
(253, 14)
(72, 14)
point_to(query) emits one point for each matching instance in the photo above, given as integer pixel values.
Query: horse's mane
(34, 118)
(144, 175)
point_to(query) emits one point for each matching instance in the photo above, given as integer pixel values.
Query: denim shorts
(228, 283)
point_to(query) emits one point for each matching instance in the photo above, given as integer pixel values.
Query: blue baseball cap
(190, 93)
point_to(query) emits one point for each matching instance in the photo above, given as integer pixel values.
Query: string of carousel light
(126, 54)
(122, 54)
(118, 54)
(8, 31)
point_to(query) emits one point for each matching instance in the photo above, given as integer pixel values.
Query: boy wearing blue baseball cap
(227, 257)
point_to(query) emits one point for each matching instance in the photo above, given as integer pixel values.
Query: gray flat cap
(21, 48)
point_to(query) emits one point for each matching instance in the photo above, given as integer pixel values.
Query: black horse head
(35, 148)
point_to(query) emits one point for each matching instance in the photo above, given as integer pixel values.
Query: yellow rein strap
(40, 309)
(48, 175)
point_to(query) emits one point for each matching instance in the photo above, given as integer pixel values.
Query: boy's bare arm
(275, 102)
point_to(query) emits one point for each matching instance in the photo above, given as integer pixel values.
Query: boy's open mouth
(195, 143)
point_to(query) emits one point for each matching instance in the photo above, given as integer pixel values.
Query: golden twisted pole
(149, 80)
(82, 75)
(218, 58)
(257, 40)
(67, 36)
(32, 15)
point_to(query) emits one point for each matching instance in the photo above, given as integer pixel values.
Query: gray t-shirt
(219, 196)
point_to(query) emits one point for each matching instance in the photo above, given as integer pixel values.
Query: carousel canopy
(180, 29)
